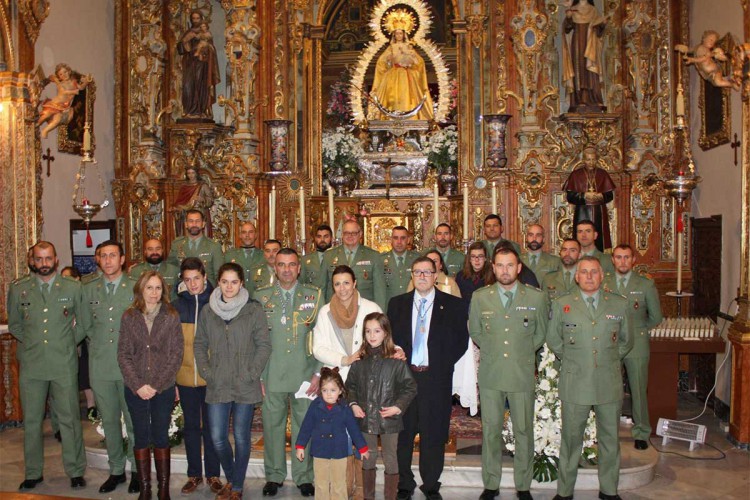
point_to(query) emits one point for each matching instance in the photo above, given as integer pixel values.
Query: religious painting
(70, 133)
(715, 104)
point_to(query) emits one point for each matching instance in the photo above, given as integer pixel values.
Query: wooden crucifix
(51, 158)
(735, 145)
(387, 164)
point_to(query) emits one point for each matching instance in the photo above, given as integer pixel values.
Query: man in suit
(645, 310)
(195, 244)
(105, 300)
(493, 234)
(41, 312)
(247, 255)
(153, 256)
(590, 331)
(563, 281)
(264, 274)
(454, 260)
(541, 263)
(313, 272)
(291, 309)
(364, 261)
(508, 321)
(396, 266)
(430, 326)
(586, 235)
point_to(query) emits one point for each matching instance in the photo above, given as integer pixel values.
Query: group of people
(375, 336)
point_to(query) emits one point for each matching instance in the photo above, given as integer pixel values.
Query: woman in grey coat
(232, 347)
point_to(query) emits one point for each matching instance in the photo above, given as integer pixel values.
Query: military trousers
(574, 418)
(637, 371)
(275, 409)
(63, 400)
(110, 401)
(493, 414)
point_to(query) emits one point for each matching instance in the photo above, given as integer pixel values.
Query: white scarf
(227, 310)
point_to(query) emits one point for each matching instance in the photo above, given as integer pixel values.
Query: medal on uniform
(526, 322)
(636, 306)
(65, 312)
(614, 336)
(283, 320)
(365, 275)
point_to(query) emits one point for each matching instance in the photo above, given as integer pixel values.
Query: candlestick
(494, 198)
(331, 216)
(466, 211)
(435, 207)
(302, 230)
(679, 256)
(87, 137)
(272, 213)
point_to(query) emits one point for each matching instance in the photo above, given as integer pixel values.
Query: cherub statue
(205, 46)
(706, 57)
(59, 109)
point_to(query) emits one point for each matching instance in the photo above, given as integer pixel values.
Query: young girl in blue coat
(330, 423)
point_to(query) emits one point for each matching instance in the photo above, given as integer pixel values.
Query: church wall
(81, 34)
(720, 191)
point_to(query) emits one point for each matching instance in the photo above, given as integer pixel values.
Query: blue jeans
(218, 421)
(195, 412)
(150, 418)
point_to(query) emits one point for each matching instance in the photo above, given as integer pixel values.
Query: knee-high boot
(162, 461)
(368, 480)
(143, 466)
(358, 492)
(391, 486)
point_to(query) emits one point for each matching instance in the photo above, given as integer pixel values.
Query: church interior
(286, 114)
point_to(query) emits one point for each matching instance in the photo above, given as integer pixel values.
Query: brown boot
(368, 480)
(391, 486)
(143, 465)
(358, 492)
(163, 466)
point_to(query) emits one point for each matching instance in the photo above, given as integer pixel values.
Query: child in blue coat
(330, 423)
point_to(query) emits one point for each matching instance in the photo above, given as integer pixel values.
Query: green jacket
(508, 340)
(554, 283)
(645, 309)
(291, 360)
(546, 263)
(605, 259)
(591, 347)
(367, 267)
(313, 271)
(44, 328)
(169, 272)
(209, 251)
(247, 258)
(454, 261)
(260, 276)
(395, 278)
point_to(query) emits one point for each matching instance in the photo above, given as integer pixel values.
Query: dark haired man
(195, 244)
(313, 271)
(493, 234)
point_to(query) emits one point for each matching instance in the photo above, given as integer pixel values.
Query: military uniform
(90, 276)
(168, 271)
(48, 361)
(645, 311)
(396, 277)
(209, 251)
(367, 266)
(545, 263)
(556, 285)
(605, 260)
(261, 276)
(101, 316)
(591, 347)
(313, 272)
(454, 261)
(291, 363)
(249, 259)
(490, 246)
(508, 336)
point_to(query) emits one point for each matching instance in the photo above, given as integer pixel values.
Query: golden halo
(400, 18)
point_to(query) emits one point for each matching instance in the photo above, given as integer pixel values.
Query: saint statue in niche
(194, 194)
(200, 69)
(582, 65)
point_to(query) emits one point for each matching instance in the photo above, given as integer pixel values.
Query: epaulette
(264, 287)
(22, 279)
(68, 278)
(310, 286)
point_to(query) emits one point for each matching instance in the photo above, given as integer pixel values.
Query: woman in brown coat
(149, 353)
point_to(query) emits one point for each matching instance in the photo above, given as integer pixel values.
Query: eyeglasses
(351, 233)
(478, 257)
(423, 274)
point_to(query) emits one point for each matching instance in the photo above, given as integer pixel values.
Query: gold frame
(711, 139)
(67, 145)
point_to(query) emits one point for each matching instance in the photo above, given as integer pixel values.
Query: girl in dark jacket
(380, 389)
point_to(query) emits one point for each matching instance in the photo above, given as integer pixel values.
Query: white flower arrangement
(341, 149)
(548, 423)
(442, 148)
(176, 423)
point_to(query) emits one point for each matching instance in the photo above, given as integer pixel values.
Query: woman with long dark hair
(477, 272)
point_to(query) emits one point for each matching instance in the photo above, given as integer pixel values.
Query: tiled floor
(676, 477)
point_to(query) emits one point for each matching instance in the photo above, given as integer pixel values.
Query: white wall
(81, 34)
(720, 191)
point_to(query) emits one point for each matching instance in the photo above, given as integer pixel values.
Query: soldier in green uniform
(195, 244)
(508, 321)
(364, 261)
(396, 266)
(105, 300)
(313, 272)
(291, 309)
(493, 234)
(41, 313)
(454, 260)
(645, 311)
(563, 281)
(586, 235)
(247, 255)
(590, 331)
(541, 263)
(153, 256)
(264, 274)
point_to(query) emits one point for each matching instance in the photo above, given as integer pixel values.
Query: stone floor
(692, 476)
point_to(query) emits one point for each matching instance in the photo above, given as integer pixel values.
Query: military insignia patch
(566, 309)
(636, 306)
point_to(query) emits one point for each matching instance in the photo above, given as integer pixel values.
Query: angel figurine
(58, 110)
(706, 57)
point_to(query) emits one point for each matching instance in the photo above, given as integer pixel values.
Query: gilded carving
(529, 36)
(279, 60)
(667, 229)
(33, 13)
(476, 26)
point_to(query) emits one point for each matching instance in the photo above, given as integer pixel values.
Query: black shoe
(403, 495)
(58, 437)
(111, 483)
(524, 495)
(270, 489)
(433, 495)
(135, 484)
(489, 494)
(604, 496)
(560, 497)
(30, 484)
(640, 444)
(77, 482)
(307, 489)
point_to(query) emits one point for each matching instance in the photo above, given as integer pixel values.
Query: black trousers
(151, 418)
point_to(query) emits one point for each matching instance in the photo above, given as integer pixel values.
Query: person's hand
(176, 394)
(262, 389)
(390, 411)
(366, 455)
(350, 360)
(568, 13)
(399, 354)
(146, 392)
(300, 454)
(358, 412)
(314, 384)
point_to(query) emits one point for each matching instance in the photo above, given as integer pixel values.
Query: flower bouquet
(442, 149)
(341, 153)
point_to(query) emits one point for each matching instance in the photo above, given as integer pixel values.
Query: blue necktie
(420, 337)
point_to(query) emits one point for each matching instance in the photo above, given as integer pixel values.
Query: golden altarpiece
(277, 60)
